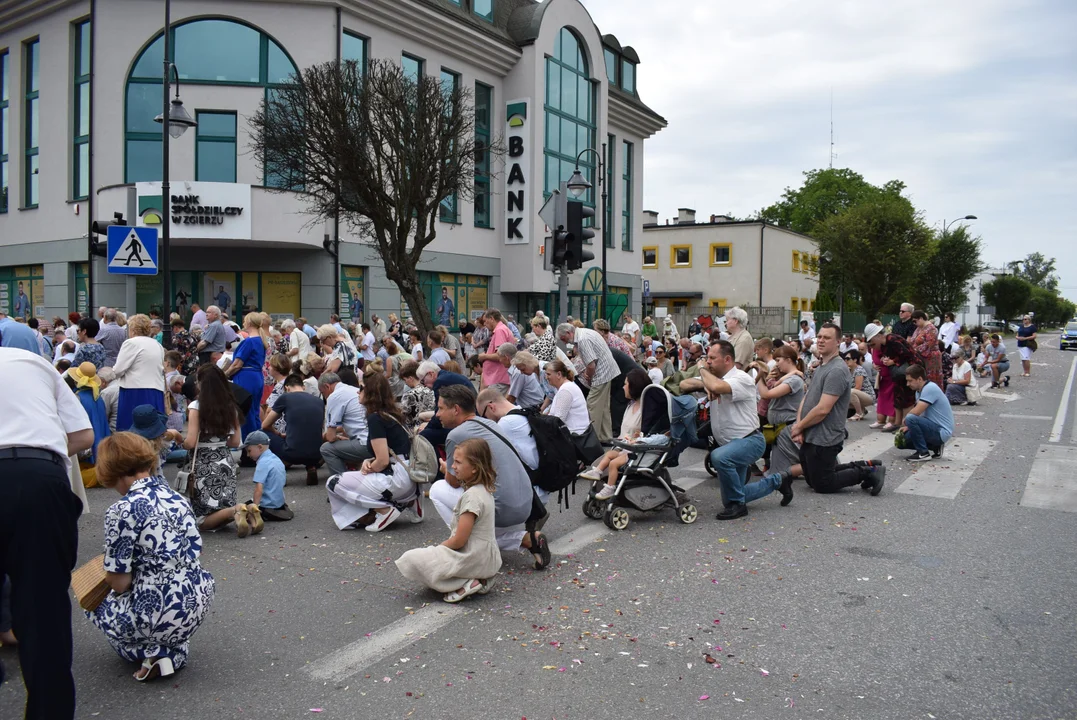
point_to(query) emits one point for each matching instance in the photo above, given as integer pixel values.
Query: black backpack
(557, 452)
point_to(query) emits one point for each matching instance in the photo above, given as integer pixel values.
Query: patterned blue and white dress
(151, 533)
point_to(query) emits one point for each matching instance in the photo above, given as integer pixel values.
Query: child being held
(467, 562)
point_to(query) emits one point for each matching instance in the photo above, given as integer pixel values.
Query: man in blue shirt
(269, 477)
(930, 424)
(18, 335)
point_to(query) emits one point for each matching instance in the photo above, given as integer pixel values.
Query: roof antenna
(832, 153)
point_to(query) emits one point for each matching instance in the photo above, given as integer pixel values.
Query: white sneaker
(383, 520)
(593, 475)
(417, 510)
(606, 492)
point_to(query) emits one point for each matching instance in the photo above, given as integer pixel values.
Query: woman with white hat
(884, 398)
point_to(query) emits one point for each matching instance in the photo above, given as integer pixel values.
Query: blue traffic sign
(646, 288)
(132, 250)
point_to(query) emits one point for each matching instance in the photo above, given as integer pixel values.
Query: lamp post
(174, 121)
(946, 225)
(578, 185)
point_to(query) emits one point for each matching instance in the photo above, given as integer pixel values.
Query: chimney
(686, 216)
(714, 219)
(650, 217)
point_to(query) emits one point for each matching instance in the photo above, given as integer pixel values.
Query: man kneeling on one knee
(735, 425)
(930, 424)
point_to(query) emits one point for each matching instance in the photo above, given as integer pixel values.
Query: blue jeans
(731, 461)
(922, 433)
(683, 424)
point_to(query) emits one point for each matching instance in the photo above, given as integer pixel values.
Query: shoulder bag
(181, 482)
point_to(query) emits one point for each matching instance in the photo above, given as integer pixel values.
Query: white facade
(482, 265)
(720, 264)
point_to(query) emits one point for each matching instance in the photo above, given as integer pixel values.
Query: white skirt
(356, 493)
(1026, 353)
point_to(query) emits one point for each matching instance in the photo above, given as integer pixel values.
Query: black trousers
(276, 444)
(38, 549)
(822, 471)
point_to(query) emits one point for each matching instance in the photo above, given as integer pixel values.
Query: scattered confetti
(704, 697)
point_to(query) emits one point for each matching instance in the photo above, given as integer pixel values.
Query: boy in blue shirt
(930, 424)
(269, 477)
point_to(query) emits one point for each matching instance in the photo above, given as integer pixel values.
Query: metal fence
(778, 321)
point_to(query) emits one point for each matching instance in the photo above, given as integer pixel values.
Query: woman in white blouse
(139, 371)
(568, 403)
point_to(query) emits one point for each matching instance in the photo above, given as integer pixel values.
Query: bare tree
(378, 149)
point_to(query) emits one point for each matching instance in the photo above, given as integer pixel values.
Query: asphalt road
(951, 595)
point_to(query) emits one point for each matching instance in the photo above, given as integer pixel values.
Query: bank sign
(203, 210)
(518, 200)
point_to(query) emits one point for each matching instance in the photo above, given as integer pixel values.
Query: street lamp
(946, 225)
(174, 121)
(577, 186)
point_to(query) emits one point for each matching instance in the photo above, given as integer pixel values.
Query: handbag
(973, 393)
(88, 584)
(182, 480)
(1032, 345)
(588, 446)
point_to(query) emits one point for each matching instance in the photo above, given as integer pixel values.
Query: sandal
(254, 518)
(857, 418)
(889, 427)
(875, 425)
(472, 587)
(242, 528)
(540, 549)
(487, 585)
(155, 668)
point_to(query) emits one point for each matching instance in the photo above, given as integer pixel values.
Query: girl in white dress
(466, 563)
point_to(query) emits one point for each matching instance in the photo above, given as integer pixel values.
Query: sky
(972, 104)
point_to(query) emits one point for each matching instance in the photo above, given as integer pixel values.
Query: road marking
(1052, 481)
(392, 638)
(1004, 397)
(1063, 406)
(867, 447)
(1025, 417)
(975, 413)
(944, 478)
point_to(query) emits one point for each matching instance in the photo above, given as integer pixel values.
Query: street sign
(548, 211)
(985, 310)
(646, 288)
(132, 250)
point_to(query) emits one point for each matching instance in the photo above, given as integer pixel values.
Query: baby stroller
(644, 482)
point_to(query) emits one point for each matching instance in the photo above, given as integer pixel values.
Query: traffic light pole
(562, 295)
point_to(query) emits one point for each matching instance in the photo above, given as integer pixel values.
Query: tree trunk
(411, 291)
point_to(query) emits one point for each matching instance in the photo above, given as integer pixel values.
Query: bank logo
(149, 210)
(517, 114)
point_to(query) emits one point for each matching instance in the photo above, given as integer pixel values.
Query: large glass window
(626, 197)
(570, 115)
(80, 155)
(206, 52)
(611, 65)
(483, 108)
(4, 129)
(628, 76)
(607, 225)
(353, 47)
(31, 122)
(413, 66)
(484, 9)
(215, 154)
(449, 210)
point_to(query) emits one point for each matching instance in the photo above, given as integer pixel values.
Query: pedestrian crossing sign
(132, 250)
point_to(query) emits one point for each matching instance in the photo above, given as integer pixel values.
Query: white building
(81, 84)
(969, 314)
(707, 266)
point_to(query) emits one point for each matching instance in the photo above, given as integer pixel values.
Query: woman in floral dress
(925, 342)
(896, 354)
(160, 593)
(212, 429)
(184, 344)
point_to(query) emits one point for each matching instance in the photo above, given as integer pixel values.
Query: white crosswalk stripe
(1052, 480)
(945, 477)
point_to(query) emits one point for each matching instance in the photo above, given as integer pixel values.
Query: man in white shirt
(367, 346)
(42, 423)
(298, 342)
(735, 426)
(345, 425)
(198, 316)
(949, 331)
(438, 355)
(807, 333)
(631, 326)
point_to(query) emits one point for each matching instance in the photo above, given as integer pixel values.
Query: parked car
(1068, 338)
(1013, 327)
(995, 326)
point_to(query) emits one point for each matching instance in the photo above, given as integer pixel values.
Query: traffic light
(560, 247)
(100, 227)
(577, 233)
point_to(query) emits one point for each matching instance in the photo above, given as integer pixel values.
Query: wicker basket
(89, 584)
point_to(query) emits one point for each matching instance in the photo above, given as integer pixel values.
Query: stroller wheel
(707, 464)
(688, 514)
(592, 508)
(616, 518)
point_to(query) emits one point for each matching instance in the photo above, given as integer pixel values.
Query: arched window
(570, 114)
(208, 51)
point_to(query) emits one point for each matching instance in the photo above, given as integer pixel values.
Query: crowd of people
(101, 401)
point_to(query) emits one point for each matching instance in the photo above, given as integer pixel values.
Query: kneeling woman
(373, 496)
(160, 593)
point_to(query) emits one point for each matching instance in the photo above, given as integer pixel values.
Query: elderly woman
(160, 593)
(895, 355)
(245, 369)
(568, 403)
(648, 327)
(340, 351)
(925, 343)
(612, 339)
(1026, 344)
(139, 371)
(962, 378)
(395, 329)
(545, 347)
(394, 360)
(279, 368)
(89, 349)
(417, 402)
(184, 343)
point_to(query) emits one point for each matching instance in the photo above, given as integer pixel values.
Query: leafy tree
(824, 194)
(876, 247)
(377, 149)
(1009, 294)
(942, 284)
(1038, 270)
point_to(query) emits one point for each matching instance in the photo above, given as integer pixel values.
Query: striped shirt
(592, 347)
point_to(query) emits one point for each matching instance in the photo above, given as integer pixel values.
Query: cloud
(972, 104)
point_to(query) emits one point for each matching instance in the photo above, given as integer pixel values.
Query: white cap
(871, 330)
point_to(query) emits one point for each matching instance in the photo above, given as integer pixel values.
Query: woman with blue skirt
(246, 368)
(139, 371)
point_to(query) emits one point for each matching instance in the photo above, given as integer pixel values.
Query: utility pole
(564, 252)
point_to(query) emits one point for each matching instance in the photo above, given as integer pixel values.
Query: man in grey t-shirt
(513, 495)
(213, 336)
(820, 425)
